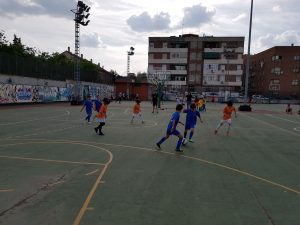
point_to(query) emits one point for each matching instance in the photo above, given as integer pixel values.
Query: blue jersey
(191, 116)
(97, 104)
(175, 117)
(88, 106)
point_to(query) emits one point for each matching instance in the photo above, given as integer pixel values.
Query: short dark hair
(179, 107)
(138, 101)
(193, 106)
(229, 103)
(106, 101)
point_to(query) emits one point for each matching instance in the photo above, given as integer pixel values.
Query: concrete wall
(17, 89)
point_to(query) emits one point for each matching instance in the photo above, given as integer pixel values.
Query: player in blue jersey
(171, 129)
(97, 103)
(190, 122)
(88, 105)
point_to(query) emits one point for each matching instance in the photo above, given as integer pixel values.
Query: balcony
(169, 61)
(161, 50)
(222, 83)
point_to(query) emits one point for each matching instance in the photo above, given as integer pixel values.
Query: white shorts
(226, 121)
(137, 114)
(100, 120)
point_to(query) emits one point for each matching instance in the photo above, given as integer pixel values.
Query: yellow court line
(49, 160)
(93, 190)
(212, 163)
(7, 190)
(194, 158)
(98, 181)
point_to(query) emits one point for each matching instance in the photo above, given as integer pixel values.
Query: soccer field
(55, 170)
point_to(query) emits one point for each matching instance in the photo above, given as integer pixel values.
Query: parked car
(259, 97)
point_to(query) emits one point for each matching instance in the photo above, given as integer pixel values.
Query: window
(276, 71)
(295, 82)
(175, 55)
(165, 45)
(239, 67)
(274, 81)
(296, 70)
(276, 58)
(151, 45)
(297, 57)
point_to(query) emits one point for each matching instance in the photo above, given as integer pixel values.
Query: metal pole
(128, 71)
(77, 94)
(248, 56)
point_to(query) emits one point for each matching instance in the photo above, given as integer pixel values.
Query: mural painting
(14, 93)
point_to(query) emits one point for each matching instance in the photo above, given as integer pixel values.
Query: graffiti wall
(102, 90)
(17, 93)
(14, 93)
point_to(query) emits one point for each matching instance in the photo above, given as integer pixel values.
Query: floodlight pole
(129, 53)
(248, 57)
(81, 15)
(77, 88)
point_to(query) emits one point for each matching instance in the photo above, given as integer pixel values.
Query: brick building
(275, 72)
(201, 64)
(132, 87)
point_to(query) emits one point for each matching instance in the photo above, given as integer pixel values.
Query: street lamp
(248, 55)
(81, 16)
(247, 107)
(129, 53)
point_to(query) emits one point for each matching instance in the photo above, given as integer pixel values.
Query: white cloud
(144, 22)
(239, 17)
(276, 8)
(49, 26)
(196, 15)
(283, 39)
(91, 40)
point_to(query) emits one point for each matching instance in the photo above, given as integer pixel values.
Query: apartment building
(275, 72)
(200, 64)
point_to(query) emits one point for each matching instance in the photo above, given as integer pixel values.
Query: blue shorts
(189, 126)
(175, 132)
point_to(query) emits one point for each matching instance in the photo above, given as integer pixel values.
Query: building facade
(275, 72)
(198, 64)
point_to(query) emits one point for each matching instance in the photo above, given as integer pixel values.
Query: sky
(116, 25)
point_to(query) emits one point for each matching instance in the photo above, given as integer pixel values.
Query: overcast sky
(118, 24)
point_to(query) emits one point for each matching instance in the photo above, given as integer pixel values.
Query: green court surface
(55, 170)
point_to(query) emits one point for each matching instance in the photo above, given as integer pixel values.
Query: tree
(141, 76)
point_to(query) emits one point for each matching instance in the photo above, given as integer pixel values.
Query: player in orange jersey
(101, 116)
(227, 116)
(137, 112)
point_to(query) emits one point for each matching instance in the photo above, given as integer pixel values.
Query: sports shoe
(216, 131)
(100, 133)
(90, 122)
(184, 141)
(143, 122)
(227, 133)
(178, 150)
(158, 145)
(190, 140)
(96, 129)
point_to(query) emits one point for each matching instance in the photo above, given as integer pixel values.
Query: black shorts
(154, 103)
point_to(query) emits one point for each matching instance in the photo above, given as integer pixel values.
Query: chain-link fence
(40, 68)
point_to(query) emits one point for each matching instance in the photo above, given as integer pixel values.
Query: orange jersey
(136, 108)
(102, 112)
(227, 112)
